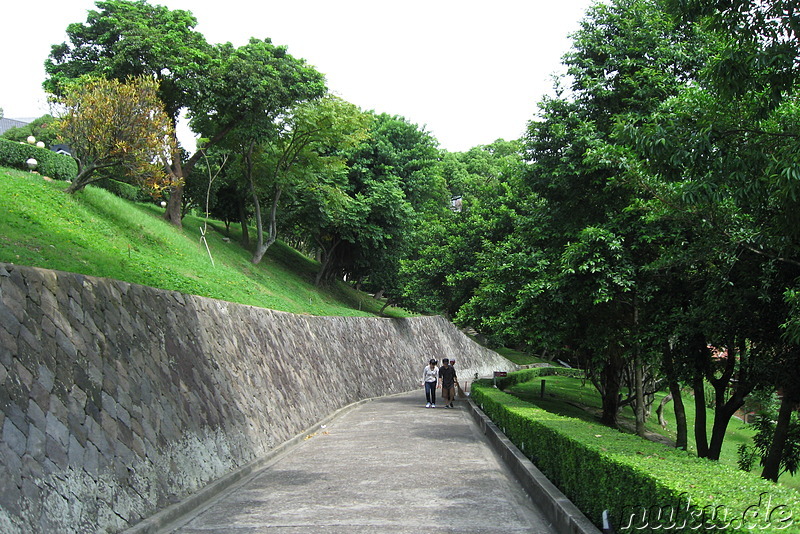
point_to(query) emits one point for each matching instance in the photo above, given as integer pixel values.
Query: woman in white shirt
(430, 376)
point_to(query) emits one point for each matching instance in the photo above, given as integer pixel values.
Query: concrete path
(390, 465)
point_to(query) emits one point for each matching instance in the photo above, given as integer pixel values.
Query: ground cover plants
(96, 233)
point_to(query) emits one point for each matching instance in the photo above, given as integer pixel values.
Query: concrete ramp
(389, 465)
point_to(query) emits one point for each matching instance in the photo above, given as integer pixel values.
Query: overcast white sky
(470, 72)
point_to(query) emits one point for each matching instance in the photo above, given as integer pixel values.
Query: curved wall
(117, 400)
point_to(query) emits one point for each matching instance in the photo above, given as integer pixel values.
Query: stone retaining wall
(117, 400)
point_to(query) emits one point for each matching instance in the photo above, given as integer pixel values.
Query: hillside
(98, 234)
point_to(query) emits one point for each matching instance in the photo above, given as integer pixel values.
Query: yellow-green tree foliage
(109, 123)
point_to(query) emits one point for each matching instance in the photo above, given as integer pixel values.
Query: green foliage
(126, 38)
(388, 186)
(109, 123)
(599, 468)
(57, 166)
(764, 425)
(44, 129)
(123, 190)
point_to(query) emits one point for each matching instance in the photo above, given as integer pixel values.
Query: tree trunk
(722, 416)
(610, 381)
(772, 463)
(660, 410)
(243, 223)
(700, 422)
(724, 410)
(262, 245)
(327, 259)
(638, 375)
(640, 409)
(174, 213)
(682, 437)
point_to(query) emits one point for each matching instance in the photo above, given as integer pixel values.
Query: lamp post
(32, 164)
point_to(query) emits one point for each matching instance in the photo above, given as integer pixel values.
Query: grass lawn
(575, 398)
(96, 233)
(519, 357)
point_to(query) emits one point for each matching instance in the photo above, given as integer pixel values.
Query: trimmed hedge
(646, 486)
(57, 166)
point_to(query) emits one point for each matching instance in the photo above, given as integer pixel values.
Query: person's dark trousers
(430, 392)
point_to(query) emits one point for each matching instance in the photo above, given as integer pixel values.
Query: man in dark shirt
(448, 381)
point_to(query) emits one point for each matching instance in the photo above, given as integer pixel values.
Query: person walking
(448, 381)
(429, 379)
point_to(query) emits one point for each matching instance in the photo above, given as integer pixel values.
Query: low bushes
(646, 486)
(123, 190)
(57, 166)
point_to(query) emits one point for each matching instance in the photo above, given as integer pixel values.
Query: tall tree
(221, 86)
(628, 56)
(300, 157)
(394, 182)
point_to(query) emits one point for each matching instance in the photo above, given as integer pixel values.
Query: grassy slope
(98, 234)
(562, 394)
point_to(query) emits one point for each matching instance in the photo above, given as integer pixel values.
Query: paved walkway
(390, 465)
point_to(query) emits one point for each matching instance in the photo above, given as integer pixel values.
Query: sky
(469, 72)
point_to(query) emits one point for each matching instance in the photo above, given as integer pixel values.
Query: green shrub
(57, 166)
(638, 481)
(123, 190)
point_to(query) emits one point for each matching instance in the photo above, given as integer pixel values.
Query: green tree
(301, 157)
(126, 38)
(722, 153)
(394, 183)
(628, 57)
(108, 123)
(222, 87)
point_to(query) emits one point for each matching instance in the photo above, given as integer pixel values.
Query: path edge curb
(557, 508)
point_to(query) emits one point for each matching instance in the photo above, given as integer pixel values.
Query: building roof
(7, 124)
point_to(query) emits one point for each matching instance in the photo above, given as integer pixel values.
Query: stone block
(14, 437)
(9, 321)
(75, 453)
(45, 377)
(36, 443)
(91, 459)
(109, 425)
(32, 341)
(77, 428)
(40, 396)
(10, 492)
(57, 430)
(36, 415)
(23, 374)
(58, 409)
(77, 399)
(65, 344)
(108, 403)
(57, 453)
(8, 347)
